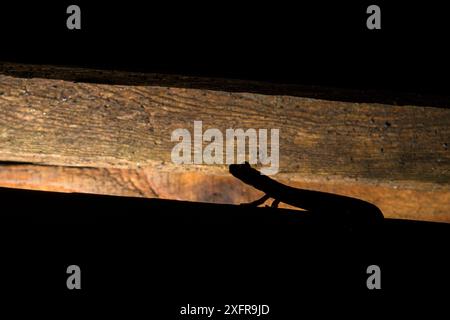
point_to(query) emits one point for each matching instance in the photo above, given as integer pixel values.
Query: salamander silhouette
(321, 203)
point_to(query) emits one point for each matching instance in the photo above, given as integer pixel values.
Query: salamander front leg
(275, 203)
(257, 202)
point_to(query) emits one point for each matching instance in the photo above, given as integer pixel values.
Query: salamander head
(244, 172)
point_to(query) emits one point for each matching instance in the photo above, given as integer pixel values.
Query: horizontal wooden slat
(423, 203)
(394, 156)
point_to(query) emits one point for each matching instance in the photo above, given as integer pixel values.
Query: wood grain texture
(335, 144)
(423, 203)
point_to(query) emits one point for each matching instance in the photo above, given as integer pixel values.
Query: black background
(131, 260)
(306, 42)
(151, 257)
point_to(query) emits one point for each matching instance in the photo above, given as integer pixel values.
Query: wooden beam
(330, 145)
(421, 202)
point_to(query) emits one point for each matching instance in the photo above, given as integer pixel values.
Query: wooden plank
(424, 203)
(333, 143)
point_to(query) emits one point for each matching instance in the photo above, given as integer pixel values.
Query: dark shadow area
(141, 254)
(100, 210)
(318, 49)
